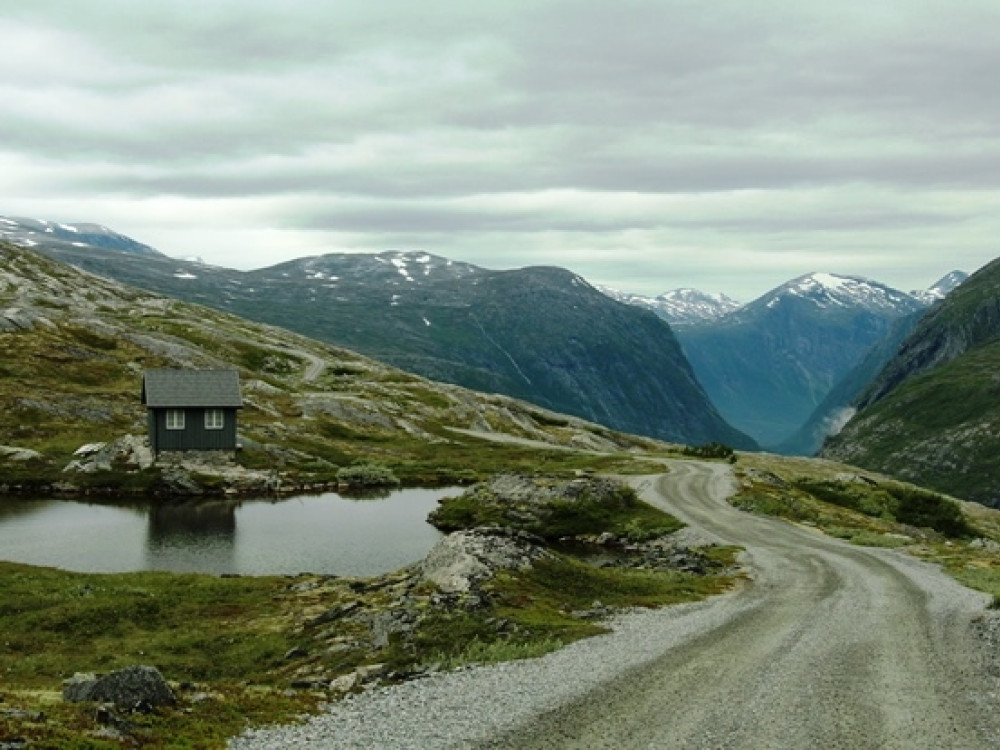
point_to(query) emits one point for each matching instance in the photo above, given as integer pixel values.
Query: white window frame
(215, 419)
(175, 419)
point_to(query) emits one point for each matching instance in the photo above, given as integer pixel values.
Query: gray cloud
(647, 143)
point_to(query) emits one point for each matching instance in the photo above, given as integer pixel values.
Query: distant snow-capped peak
(941, 288)
(679, 306)
(827, 290)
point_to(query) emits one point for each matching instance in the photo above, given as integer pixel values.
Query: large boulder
(125, 688)
(462, 561)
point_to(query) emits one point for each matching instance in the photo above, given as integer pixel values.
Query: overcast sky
(728, 145)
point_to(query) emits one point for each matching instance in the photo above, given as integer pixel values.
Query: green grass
(226, 633)
(193, 627)
(894, 503)
(622, 514)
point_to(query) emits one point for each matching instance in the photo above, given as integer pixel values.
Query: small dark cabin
(191, 410)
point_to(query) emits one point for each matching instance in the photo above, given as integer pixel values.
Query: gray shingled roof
(179, 388)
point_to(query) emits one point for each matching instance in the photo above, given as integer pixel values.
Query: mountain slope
(933, 413)
(540, 334)
(35, 232)
(73, 347)
(768, 365)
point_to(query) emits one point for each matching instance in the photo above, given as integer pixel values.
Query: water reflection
(323, 534)
(192, 537)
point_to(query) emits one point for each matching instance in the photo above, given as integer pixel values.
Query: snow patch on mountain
(941, 288)
(679, 306)
(827, 291)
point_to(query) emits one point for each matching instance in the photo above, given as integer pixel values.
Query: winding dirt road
(830, 646)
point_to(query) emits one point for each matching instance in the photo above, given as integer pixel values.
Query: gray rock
(129, 450)
(79, 687)
(335, 613)
(463, 560)
(13, 453)
(124, 688)
(345, 683)
(986, 544)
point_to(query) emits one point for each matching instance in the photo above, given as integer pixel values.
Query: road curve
(828, 646)
(833, 646)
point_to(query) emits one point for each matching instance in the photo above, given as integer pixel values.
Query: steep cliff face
(932, 415)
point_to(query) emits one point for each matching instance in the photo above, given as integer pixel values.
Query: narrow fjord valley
(542, 549)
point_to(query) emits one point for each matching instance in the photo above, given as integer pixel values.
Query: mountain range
(679, 306)
(540, 334)
(918, 400)
(685, 306)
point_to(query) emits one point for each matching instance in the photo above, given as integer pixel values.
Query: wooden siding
(194, 436)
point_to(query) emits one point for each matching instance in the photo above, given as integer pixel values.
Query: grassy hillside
(73, 348)
(940, 429)
(933, 414)
(538, 334)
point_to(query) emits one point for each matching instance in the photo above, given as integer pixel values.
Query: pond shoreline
(323, 533)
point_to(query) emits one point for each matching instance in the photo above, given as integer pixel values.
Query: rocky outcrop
(462, 561)
(539, 505)
(13, 453)
(22, 319)
(129, 452)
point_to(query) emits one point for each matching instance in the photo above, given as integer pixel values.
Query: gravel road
(830, 646)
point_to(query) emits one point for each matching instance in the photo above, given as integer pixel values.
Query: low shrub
(367, 475)
(710, 450)
(891, 502)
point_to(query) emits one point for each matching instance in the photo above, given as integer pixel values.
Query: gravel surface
(831, 646)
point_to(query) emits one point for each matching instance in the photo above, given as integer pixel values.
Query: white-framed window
(214, 419)
(175, 419)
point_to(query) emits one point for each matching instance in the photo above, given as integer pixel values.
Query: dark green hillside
(933, 414)
(940, 429)
(968, 317)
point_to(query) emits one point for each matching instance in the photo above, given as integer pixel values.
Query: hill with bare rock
(540, 334)
(74, 347)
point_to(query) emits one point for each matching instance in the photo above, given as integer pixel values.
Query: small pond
(326, 533)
